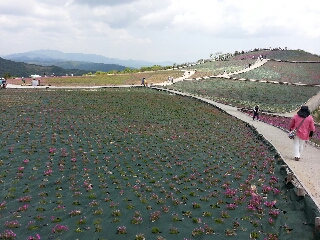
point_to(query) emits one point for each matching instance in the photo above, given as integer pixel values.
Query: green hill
(294, 66)
(19, 69)
(284, 55)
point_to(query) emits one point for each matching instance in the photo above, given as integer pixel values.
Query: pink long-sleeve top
(305, 128)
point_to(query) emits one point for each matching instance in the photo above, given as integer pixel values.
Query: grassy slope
(316, 115)
(285, 55)
(97, 80)
(308, 73)
(218, 67)
(292, 55)
(273, 98)
(270, 97)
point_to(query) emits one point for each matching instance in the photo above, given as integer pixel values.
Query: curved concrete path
(307, 170)
(313, 103)
(257, 64)
(186, 75)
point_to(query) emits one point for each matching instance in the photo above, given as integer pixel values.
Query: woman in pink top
(304, 131)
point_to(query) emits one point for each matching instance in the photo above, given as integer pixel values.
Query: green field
(134, 163)
(106, 79)
(138, 163)
(271, 97)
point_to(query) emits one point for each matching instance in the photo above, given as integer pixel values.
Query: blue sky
(167, 30)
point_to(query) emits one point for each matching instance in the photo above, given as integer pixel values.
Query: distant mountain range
(21, 69)
(88, 62)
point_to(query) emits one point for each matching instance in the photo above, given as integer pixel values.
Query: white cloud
(94, 3)
(168, 30)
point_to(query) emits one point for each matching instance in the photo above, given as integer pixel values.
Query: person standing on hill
(303, 122)
(256, 111)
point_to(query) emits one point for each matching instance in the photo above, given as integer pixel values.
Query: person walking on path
(256, 112)
(143, 81)
(304, 124)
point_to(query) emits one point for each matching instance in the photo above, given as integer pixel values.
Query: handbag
(293, 133)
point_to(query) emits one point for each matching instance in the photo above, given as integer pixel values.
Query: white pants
(298, 146)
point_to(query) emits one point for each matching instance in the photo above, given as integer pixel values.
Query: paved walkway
(307, 170)
(186, 75)
(313, 104)
(257, 64)
(14, 86)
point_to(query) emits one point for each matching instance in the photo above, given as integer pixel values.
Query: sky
(180, 31)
